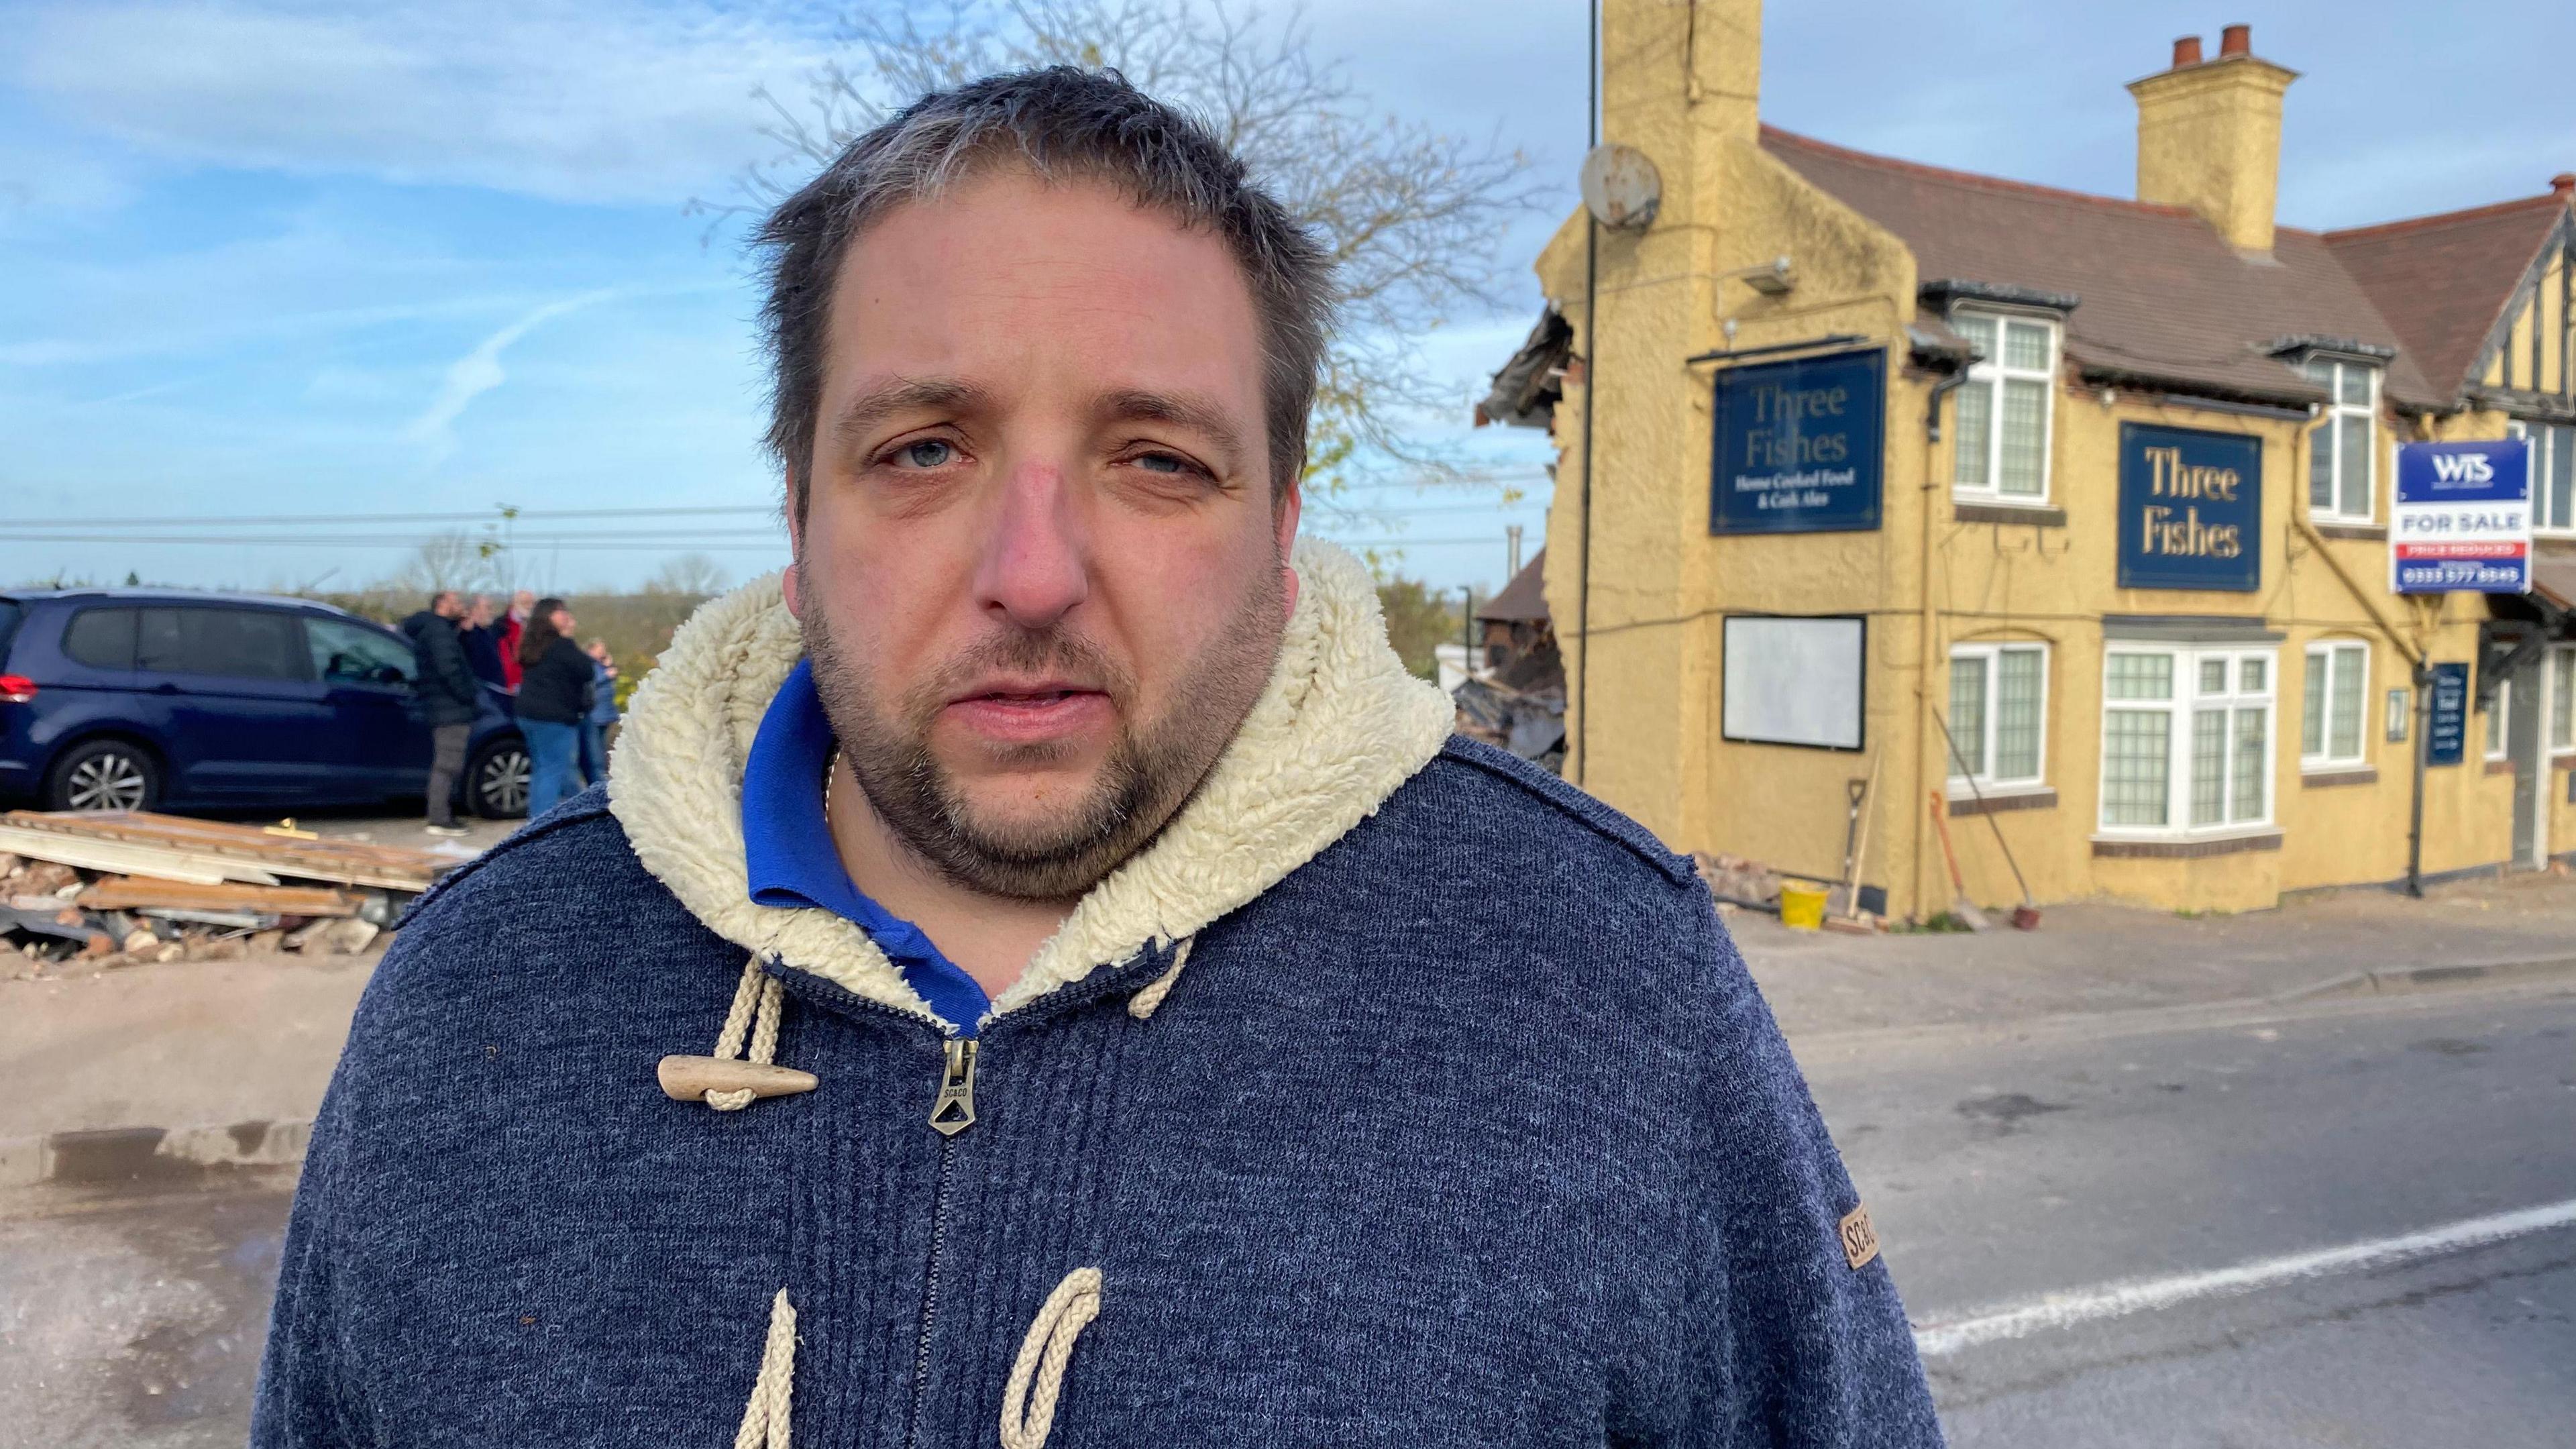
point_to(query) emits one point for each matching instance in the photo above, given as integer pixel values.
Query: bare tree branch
(1412, 216)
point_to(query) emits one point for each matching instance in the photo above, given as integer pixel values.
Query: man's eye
(927, 453)
(1161, 463)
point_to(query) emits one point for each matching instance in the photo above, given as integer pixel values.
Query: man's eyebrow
(1195, 411)
(903, 395)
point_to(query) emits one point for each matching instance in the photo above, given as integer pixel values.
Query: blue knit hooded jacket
(1397, 1094)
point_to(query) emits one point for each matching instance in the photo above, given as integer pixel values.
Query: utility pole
(1467, 629)
(2423, 743)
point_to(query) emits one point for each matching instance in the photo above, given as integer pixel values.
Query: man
(1017, 980)
(449, 694)
(482, 642)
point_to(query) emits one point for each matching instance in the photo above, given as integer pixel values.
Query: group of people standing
(563, 694)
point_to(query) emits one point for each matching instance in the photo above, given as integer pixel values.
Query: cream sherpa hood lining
(1338, 728)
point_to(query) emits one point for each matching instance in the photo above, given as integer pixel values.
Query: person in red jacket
(512, 625)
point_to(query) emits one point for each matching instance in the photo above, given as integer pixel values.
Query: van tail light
(16, 689)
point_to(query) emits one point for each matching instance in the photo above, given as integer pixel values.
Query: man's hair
(437, 594)
(1064, 124)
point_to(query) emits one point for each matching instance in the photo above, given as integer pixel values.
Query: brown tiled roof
(2445, 281)
(1524, 599)
(2163, 301)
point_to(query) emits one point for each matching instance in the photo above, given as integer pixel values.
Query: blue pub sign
(1798, 446)
(2447, 741)
(2191, 509)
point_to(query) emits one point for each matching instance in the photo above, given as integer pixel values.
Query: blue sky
(270, 257)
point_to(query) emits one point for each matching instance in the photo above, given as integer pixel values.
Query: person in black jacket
(448, 694)
(554, 698)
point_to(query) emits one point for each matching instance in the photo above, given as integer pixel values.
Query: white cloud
(479, 372)
(569, 102)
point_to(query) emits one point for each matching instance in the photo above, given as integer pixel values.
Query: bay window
(2335, 699)
(2553, 474)
(1998, 714)
(2343, 448)
(2004, 408)
(2186, 740)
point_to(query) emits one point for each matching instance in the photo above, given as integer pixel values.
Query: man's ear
(1286, 523)
(792, 581)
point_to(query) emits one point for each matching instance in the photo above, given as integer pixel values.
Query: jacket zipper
(952, 1112)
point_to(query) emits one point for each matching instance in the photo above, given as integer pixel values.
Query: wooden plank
(124, 859)
(121, 893)
(209, 844)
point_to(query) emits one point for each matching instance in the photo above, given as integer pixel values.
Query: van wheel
(104, 775)
(496, 783)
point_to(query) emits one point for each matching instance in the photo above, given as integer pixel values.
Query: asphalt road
(2281, 1189)
(2232, 1228)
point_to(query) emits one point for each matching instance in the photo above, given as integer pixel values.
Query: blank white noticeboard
(1793, 682)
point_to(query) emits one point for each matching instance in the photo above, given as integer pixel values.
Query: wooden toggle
(689, 1079)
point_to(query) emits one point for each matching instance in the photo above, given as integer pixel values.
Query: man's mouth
(1023, 711)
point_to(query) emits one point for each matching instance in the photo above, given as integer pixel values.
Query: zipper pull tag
(954, 1112)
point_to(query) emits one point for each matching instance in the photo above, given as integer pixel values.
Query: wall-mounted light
(1773, 278)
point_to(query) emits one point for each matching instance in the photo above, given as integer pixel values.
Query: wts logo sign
(2462, 468)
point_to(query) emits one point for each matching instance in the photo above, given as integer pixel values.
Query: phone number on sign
(2460, 574)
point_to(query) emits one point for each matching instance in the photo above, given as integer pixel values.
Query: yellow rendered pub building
(2069, 510)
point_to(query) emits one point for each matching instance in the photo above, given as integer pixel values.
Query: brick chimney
(2209, 136)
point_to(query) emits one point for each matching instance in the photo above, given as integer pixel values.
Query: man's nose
(1036, 563)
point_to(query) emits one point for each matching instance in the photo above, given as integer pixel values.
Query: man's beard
(1151, 770)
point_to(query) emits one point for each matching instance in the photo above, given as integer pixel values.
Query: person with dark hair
(482, 642)
(448, 695)
(554, 700)
(1009, 990)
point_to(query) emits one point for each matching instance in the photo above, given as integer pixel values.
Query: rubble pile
(91, 892)
(1737, 881)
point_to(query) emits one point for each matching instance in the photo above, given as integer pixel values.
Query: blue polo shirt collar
(791, 861)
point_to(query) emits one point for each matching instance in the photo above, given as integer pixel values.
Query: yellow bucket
(1802, 906)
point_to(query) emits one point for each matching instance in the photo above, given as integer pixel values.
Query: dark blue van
(141, 699)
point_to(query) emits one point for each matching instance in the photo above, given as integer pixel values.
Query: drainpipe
(1591, 385)
(1925, 646)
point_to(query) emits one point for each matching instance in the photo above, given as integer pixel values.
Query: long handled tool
(1856, 838)
(1960, 906)
(2025, 917)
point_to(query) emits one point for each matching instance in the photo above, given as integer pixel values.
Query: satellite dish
(1621, 187)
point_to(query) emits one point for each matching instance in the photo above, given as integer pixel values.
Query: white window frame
(2543, 446)
(2331, 422)
(2186, 698)
(1990, 373)
(2320, 668)
(1989, 782)
(2560, 722)
(2496, 741)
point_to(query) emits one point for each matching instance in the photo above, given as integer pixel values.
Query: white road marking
(2141, 1295)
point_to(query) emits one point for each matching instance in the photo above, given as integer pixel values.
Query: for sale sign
(2462, 523)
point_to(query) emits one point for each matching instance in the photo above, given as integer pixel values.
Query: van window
(355, 653)
(100, 638)
(234, 643)
(11, 611)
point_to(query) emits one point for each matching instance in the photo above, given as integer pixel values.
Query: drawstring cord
(726, 1081)
(1143, 1005)
(757, 1002)
(1037, 1376)
(764, 1419)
